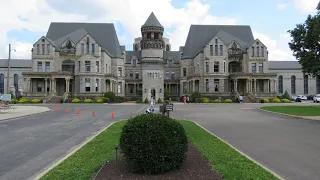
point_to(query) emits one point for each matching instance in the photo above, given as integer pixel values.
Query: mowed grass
(226, 161)
(295, 110)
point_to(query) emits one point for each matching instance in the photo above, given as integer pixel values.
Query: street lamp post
(8, 73)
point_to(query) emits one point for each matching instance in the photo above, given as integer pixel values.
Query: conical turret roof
(152, 21)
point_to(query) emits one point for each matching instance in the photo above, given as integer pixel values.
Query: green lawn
(295, 110)
(227, 162)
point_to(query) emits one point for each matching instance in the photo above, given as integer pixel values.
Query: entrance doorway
(153, 93)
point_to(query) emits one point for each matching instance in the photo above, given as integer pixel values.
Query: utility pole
(8, 75)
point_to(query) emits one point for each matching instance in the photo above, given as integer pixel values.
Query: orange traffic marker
(93, 113)
(130, 116)
(57, 109)
(67, 110)
(79, 111)
(112, 114)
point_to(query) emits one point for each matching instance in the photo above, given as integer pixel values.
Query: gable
(45, 40)
(256, 42)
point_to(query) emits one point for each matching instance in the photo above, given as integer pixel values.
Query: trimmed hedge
(35, 100)
(153, 143)
(76, 100)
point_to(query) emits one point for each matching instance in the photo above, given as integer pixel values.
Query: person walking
(185, 99)
(240, 98)
(152, 104)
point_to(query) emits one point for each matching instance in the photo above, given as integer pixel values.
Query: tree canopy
(305, 44)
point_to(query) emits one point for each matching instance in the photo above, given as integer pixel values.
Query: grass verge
(88, 159)
(225, 160)
(295, 110)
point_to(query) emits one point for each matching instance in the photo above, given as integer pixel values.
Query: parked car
(310, 97)
(302, 97)
(316, 98)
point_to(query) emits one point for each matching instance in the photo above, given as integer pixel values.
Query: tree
(305, 44)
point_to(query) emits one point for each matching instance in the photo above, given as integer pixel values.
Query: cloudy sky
(23, 22)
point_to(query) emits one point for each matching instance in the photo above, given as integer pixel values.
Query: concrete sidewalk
(20, 111)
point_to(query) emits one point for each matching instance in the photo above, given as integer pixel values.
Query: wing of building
(86, 59)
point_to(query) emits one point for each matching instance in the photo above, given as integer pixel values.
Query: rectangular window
(198, 68)
(38, 48)
(119, 88)
(262, 51)
(252, 51)
(260, 67)
(224, 66)
(137, 75)
(97, 66)
(167, 75)
(216, 50)
(170, 62)
(253, 67)
(173, 75)
(131, 75)
(39, 66)
(258, 53)
(216, 85)
(119, 71)
(207, 67)
(82, 48)
(88, 66)
(207, 85)
(106, 68)
(211, 50)
(88, 48)
(216, 67)
(48, 49)
(43, 49)
(92, 48)
(39, 89)
(87, 84)
(221, 50)
(97, 85)
(47, 65)
(184, 72)
(79, 66)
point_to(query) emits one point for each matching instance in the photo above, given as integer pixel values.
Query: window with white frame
(87, 84)
(119, 87)
(167, 75)
(119, 72)
(216, 66)
(38, 48)
(173, 75)
(43, 48)
(137, 75)
(207, 85)
(88, 66)
(47, 66)
(48, 49)
(39, 66)
(97, 66)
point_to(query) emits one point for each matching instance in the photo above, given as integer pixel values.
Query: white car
(302, 97)
(316, 98)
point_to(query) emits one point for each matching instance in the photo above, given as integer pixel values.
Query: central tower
(152, 47)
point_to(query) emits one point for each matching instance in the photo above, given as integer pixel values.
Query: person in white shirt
(240, 99)
(152, 104)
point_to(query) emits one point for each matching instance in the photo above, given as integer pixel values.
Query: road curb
(8, 119)
(288, 115)
(242, 153)
(74, 150)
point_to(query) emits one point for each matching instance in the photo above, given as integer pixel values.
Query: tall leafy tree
(305, 44)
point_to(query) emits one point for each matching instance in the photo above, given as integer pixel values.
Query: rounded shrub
(23, 100)
(228, 101)
(13, 101)
(276, 100)
(35, 100)
(204, 100)
(88, 100)
(217, 101)
(266, 100)
(138, 101)
(285, 101)
(146, 100)
(76, 100)
(159, 101)
(100, 100)
(167, 101)
(153, 143)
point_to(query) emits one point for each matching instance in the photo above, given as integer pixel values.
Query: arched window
(305, 84)
(16, 83)
(1, 83)
(280, 84)
(134, 62)
(167, 48)
(293, 84)
(136, 47)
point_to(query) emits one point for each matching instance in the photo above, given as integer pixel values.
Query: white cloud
(39, 14)
(306, 6)
(282, 6)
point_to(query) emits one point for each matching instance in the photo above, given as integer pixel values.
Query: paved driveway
(288, 146)
(27, 145)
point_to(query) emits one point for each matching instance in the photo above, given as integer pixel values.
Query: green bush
(204, 100)
(217, 101)
(194, 96)
(35, 100)
(13, 101)
(266, 100)
(23, 100)
(285, 95)
(276, 100)
(167, 101)
(138, 101)
(159, 101)
(88, 100)
(76, 100)
(153, 143)
(146, 100)
(285, 101)
(228, 101)
(100, 100)
(111, 96)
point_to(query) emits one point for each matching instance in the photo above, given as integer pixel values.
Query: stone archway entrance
(153, 93)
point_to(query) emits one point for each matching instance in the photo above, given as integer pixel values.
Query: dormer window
(234, 45)
(216, 41)
(257, 43)
(170, 62)
(252, 51)
(167, 48)
(43, 40)
(262, 51)
(136, 47)
(134, 62)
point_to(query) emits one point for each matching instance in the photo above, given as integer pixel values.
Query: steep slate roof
(74, 36)
(16, 63)
(152, 21)
(200, 35)
(278, 65)
(130, 54)
(174, 54)
(104, 33)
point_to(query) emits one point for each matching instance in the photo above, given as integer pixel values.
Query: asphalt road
(28, 145)
(288, 146)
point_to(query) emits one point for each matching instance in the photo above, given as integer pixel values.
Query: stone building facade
(86, 59)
